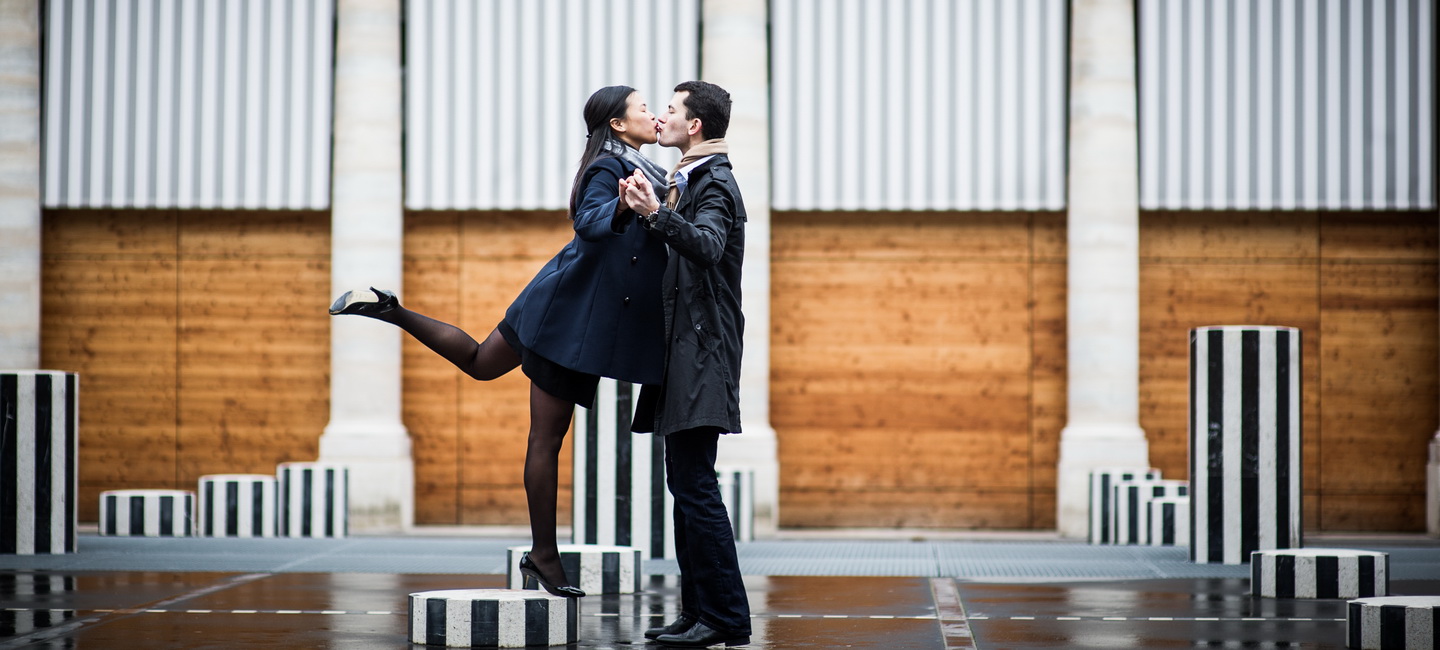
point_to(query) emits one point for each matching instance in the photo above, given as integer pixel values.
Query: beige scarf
(706, 148)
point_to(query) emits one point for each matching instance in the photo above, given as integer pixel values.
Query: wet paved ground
(210, 593)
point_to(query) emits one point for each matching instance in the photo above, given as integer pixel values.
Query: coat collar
(698, 173)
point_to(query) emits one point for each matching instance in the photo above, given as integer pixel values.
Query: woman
(593, 310)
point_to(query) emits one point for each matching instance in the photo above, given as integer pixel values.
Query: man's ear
(695, 127)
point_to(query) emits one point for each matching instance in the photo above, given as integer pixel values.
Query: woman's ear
(617, 124)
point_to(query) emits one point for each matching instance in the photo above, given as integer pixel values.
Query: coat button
(634, 260)
(627, 300)
(697, 328)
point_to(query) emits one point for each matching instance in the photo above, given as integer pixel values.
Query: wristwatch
(651, 218)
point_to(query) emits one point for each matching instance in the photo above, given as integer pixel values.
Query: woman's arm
(600, 213)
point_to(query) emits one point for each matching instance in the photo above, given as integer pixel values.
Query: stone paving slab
(971, 560)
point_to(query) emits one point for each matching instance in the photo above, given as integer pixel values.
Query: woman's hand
(639, 194)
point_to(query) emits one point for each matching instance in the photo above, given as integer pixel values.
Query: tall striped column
(594, 569)
(619, 490)
(39, 432)
(1244, 441)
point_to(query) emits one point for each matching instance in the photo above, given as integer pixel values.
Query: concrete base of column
(1432, 488)
(756, 448)
(382, 485)
(1084, 448)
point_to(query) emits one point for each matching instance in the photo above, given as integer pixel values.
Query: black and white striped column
(1101, 508)
(1319, 573)
(1244, 441)
(620, 497)
(147, 513)
(1394, 622)
(594, 569)
(237, 505)
(314, 499)
(1169, 521)
(504, 618)
(737, 492)
(39, 432)
(1131, 507)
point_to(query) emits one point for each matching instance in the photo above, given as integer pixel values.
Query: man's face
(674, 125)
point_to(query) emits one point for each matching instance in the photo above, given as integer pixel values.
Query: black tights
(549, 421)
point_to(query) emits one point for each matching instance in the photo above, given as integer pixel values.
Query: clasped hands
(638, 194)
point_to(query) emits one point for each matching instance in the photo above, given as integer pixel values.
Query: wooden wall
(1364, 290)
(918, 365)
(200, 338)
(918, 359)
(469, 436)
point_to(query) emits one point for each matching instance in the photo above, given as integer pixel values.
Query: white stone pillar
(1104, 275)
(734, 56)
(1432, 488)
(19, 183)
(365, 431)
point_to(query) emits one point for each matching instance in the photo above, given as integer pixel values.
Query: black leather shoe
(678, 626)
(362, 302)
(532, 572)
(701, 636)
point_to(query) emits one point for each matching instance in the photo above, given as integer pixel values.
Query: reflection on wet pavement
(118, 609)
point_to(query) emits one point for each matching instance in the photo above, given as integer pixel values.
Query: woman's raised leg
(484, 361)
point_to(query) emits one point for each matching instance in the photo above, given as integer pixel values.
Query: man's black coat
(701, 295)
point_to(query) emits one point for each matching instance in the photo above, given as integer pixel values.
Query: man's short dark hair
(710, 104)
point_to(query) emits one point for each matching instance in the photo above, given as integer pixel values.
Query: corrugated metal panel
(495, 90)
(918, 104)
(1287, 104)
(173, 103)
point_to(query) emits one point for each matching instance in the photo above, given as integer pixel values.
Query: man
(703, 221)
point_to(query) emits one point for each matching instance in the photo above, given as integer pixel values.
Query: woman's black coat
(701, 296)
(595, 306)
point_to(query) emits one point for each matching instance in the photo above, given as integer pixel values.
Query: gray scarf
(652, 171)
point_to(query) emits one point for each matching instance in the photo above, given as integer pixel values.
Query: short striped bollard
(504, 618)
(237, 505)
(147, 513)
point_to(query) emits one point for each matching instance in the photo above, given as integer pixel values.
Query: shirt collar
(683, 174)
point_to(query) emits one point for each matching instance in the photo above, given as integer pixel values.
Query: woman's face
(637, 127)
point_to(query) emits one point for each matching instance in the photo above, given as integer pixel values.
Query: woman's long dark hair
(606, 104)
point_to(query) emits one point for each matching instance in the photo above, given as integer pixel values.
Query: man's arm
(701, 241)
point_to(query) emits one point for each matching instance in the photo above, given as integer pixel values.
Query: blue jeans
(710, 586)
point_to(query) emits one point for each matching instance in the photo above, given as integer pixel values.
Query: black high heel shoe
(361, 302)
(532, 572)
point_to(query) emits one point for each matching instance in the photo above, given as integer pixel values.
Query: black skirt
(570, 385)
